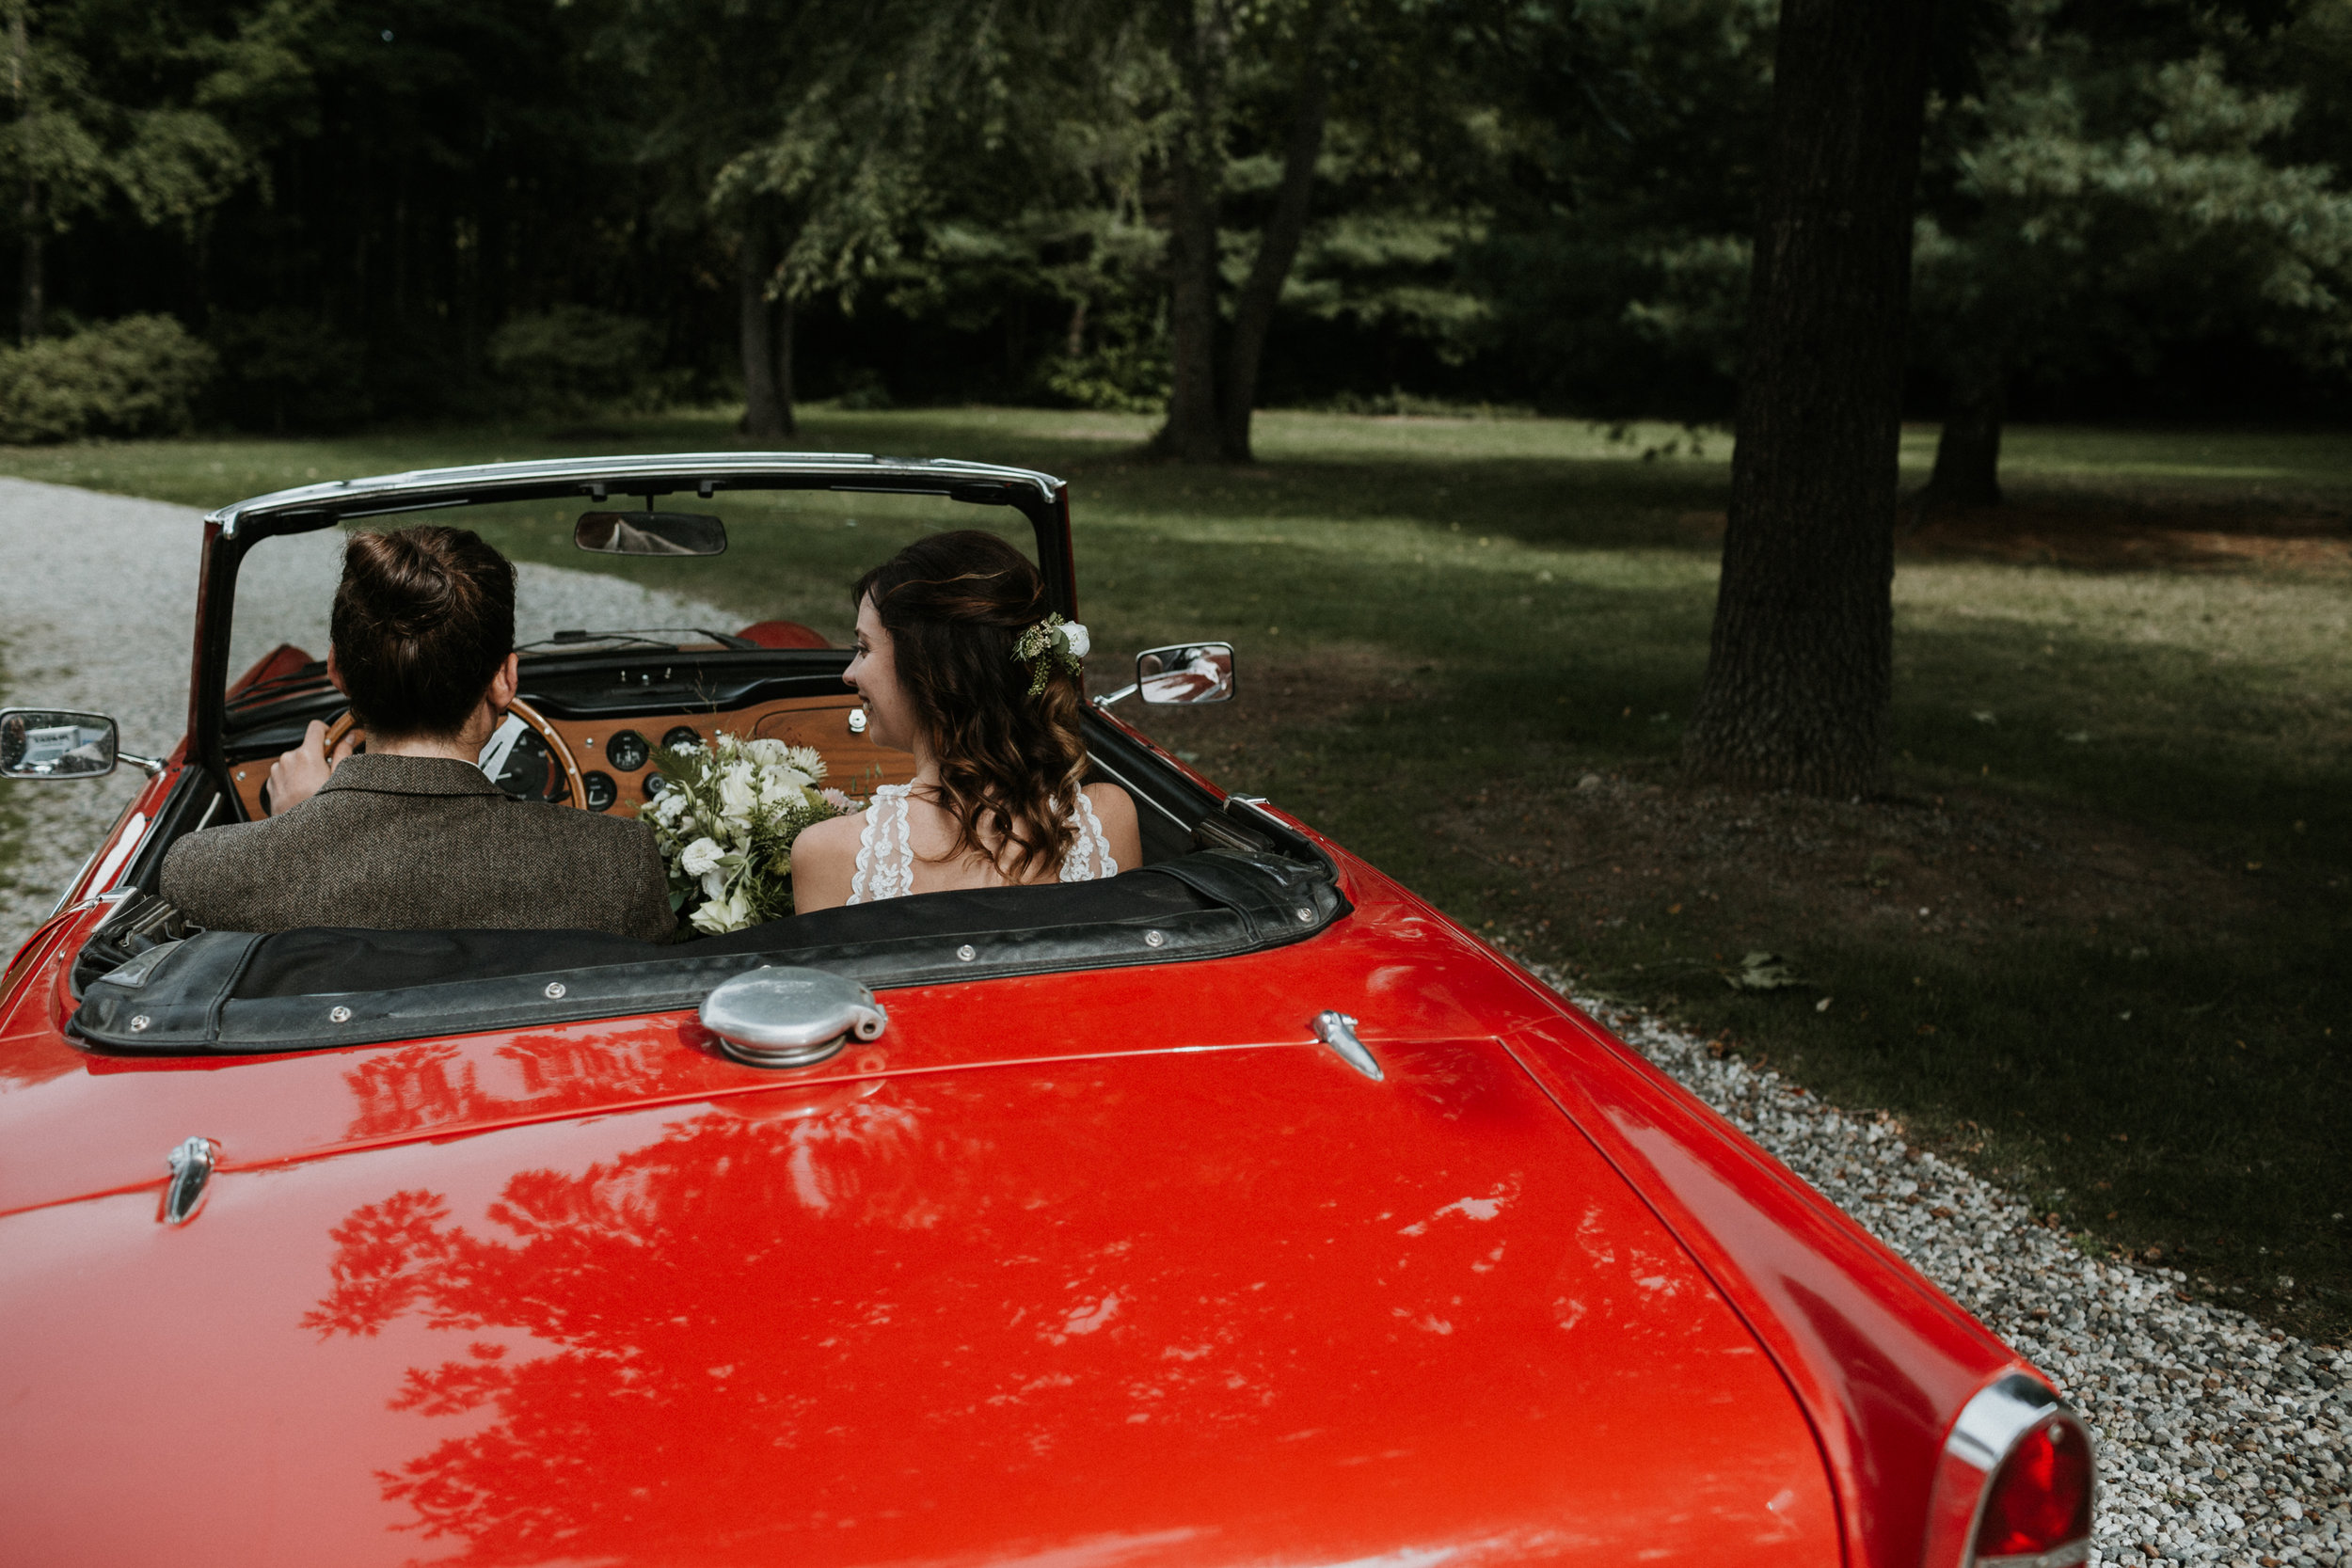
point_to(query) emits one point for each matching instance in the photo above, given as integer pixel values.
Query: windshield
(792, 557)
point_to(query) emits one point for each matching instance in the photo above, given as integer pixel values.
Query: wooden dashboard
(852, 763)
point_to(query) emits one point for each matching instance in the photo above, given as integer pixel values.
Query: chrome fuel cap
(777, 1017)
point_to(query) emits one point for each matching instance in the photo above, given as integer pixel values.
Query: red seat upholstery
(782, 634)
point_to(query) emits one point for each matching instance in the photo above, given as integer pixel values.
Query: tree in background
(2100, 199)
(1217, 47)
(1799, 670)
(113, 106)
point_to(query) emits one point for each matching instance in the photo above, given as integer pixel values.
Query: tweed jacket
(416, 842)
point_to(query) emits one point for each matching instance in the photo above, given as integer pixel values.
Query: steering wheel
(518, 777)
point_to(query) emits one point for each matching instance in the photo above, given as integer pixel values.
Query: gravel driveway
(2222, 1442)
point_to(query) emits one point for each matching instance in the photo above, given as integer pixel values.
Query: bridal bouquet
(727, 821)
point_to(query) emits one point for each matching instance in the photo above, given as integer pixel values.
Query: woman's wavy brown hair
(1010, 764)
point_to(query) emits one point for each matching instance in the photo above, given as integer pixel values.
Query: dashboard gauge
(627, 750)
(600, 790)
(528, 770)
(655, 785)
(685, 734)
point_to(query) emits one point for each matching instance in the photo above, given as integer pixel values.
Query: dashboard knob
(857, 720)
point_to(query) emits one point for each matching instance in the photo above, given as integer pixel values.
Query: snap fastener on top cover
(787, 1017)
(555, 991)
(339, 1015)
(967, 952)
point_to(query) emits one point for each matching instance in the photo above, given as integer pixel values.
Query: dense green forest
(285, 214)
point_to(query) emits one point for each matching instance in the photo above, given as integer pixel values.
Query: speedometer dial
(529, 768)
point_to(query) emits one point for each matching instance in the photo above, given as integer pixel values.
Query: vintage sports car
(1240, 1209)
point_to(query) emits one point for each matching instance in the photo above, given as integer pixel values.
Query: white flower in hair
(1052, 640)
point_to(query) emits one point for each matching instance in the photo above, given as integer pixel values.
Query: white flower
(837, 800)
(1074, 638)
(780, 786)
(731, 913)
(807, 759)
(767, 752)
(736, 798)
(714, 884)
(699, 857)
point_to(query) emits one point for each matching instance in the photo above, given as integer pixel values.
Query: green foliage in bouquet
(727, 821)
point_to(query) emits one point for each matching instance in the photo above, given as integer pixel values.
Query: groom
(410, 834)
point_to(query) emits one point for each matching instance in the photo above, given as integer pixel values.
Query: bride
(959, 662)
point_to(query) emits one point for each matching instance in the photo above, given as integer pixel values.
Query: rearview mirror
(1186, 675)
(650, 534)
(45, 743)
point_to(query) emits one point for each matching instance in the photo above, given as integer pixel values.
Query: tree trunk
(1278, 247)
(1196, 167)
(1799, 670)
(763, 413)
(1969, 453)
(30, 305)
(786, 394)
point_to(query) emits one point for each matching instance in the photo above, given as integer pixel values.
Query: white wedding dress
(885, 849)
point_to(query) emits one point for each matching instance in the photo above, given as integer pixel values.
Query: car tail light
(2014, 1486)
(2039, 1499)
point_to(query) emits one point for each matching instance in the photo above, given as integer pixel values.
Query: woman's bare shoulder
(824, 857)
(834, 835)
(1116, 810)
(1110, 800)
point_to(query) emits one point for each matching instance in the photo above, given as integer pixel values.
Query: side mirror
(1186, 675)
(650, 534)
(46, 743)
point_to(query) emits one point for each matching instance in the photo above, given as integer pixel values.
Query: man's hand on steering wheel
(302, 772)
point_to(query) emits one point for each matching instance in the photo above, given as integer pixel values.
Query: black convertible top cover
(236, 993)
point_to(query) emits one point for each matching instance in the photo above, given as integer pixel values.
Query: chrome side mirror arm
(1103, 703)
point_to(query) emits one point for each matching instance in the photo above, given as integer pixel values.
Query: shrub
(137, 377)
(288, 367)
(573, 357)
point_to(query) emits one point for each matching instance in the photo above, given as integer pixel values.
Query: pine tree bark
(30, 305)
(1969, 453)
(1799, 669)
(763, 412)
(1196, 169)
(1278, 247)
(786, 394)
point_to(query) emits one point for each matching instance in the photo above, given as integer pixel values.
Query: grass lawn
(2093, 940)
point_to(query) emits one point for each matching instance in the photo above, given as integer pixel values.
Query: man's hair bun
(423, 619)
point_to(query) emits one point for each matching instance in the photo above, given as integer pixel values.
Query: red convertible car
(1238, 1210)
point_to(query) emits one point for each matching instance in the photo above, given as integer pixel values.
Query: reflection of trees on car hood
(1074, 1301)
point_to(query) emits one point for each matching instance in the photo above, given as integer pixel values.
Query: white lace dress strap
(885, 849)
(1090, 857)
